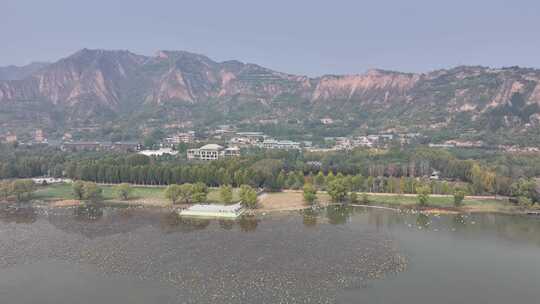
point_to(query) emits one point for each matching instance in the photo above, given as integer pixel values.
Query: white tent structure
(219, 211)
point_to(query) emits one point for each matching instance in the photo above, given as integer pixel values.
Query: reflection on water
(310, 216)
(89, 212)
(422, 221)
(22, 213)
(248, 223)
(338, 214)
(312, 256)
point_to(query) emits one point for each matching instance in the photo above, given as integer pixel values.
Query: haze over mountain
(182, 89)
(13, 72)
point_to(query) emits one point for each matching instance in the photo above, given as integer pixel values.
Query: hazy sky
(310, 37)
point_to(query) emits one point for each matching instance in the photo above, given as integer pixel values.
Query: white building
(363, 141)
(178, 138)
(159, 152)
(212, 152)
(280, 144)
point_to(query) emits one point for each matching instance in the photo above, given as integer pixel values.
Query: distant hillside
(13, 72)
(119, 91)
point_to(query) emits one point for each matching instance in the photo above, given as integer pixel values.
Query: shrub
(310, 193)
(23, 189)
(459, 195)
(248, 196)
(199, 193)
(364, 198)
(173, 193)
(78, 189)
(226, 194)
(422, 194)
(123, 191)
(91, 192)
(337, 190)
(353, 197)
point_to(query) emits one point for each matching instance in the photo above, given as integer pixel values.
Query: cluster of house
(38, 137)
(367, 141)
(259, 139)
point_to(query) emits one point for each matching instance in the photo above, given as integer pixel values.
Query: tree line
(393, 170)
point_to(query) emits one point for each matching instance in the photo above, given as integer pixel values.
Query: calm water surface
(338, 255)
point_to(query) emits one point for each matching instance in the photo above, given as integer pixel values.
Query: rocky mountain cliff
(176, 88)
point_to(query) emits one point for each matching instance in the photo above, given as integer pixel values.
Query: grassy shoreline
(140, 195)
(288, 200)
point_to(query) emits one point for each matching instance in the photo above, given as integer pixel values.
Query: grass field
(152, 195)
(436, 201)
(293, 199)
(469, 204)
(282, 200)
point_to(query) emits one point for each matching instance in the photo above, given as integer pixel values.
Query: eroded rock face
(93, 81)
(375, 85)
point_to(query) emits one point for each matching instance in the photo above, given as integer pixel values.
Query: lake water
(338, 255)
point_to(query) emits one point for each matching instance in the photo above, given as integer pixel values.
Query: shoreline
(292, 200)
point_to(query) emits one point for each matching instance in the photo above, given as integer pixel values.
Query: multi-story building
(187, 137)
(212, 152)
(280, 144)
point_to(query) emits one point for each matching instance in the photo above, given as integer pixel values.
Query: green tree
(330, 177)
(200, 192)
(319, 180)
(370, 181)
(173, 193)
(124, 191)
(226, 194)
(5, 190)
(337, 190)
(357, 182)
(402, 185)
(248, 196)
(422, 194)
(23, 189)
(364, 198)
(92, 192)
(78, 189)
(281, 180)
(524, 201)
(353, 197)
(185, 192)
(310, 193)
(459, 196)
(524, 188)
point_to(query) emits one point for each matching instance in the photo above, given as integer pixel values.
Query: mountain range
(117, 91)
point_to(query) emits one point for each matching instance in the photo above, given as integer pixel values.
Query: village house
(212, 152)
